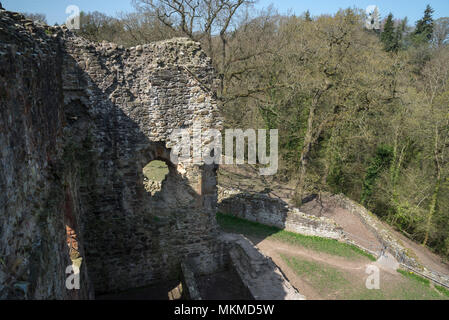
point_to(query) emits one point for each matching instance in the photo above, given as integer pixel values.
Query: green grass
(322, 277)
(237, 225)
(414, 277)
(442, 290)
(414, 289)
(420, 288)
(331, 282)
(334, 283)
(156, 171)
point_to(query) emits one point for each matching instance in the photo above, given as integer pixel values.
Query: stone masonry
(78, 123)
(274, 212)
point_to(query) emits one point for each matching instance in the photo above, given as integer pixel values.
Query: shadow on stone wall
(132, 239)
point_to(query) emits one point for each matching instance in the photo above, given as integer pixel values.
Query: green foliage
(379, 163)
(443, 290)
(336, 178)
(307, 16)
(424, 26)
(389, 36)
(414, 276)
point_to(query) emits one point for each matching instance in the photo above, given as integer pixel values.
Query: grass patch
(156, 171)
(320, 276)
(442, 290)
(236, 225)
(333, 282)
(414, 277)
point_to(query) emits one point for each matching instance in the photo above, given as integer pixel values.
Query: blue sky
(413, 9)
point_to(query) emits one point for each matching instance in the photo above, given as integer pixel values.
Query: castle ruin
(79, 122)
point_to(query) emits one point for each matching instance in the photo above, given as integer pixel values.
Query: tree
(307, 16)
(39, 17)
(97, 26)
(441, 32)
(389, 36)
(436, 80)
(196, 19)
(424, 26)
(318, 85)
(402, 31)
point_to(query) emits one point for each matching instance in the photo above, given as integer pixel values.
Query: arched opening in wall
(155, 173)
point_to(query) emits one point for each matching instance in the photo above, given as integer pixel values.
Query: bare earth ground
(247, 179)
(350, 223)
(275, 249)
(429, 259)
(363, 236)
(337, 278)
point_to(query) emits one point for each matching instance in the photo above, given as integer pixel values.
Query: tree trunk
(223, 62)
(308, 139)
(432, 209)
(433, 202)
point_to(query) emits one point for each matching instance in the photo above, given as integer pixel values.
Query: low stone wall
(302, 223)
(191, 290)
(258, 273)
(401, 253)
(152, 187)
(274, 212)
(370, 221)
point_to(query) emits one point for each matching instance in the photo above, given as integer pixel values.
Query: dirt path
(355, 269)
(350, 223)
(274, 249)
(429, 259)
(273, 246)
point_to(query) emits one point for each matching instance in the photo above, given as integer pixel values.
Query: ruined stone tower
(79, 122)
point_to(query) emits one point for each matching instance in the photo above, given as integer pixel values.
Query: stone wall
(275, 212)
(134, 99)
(39, 197)
(191, 290)
(79, 121)
(259, 274)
